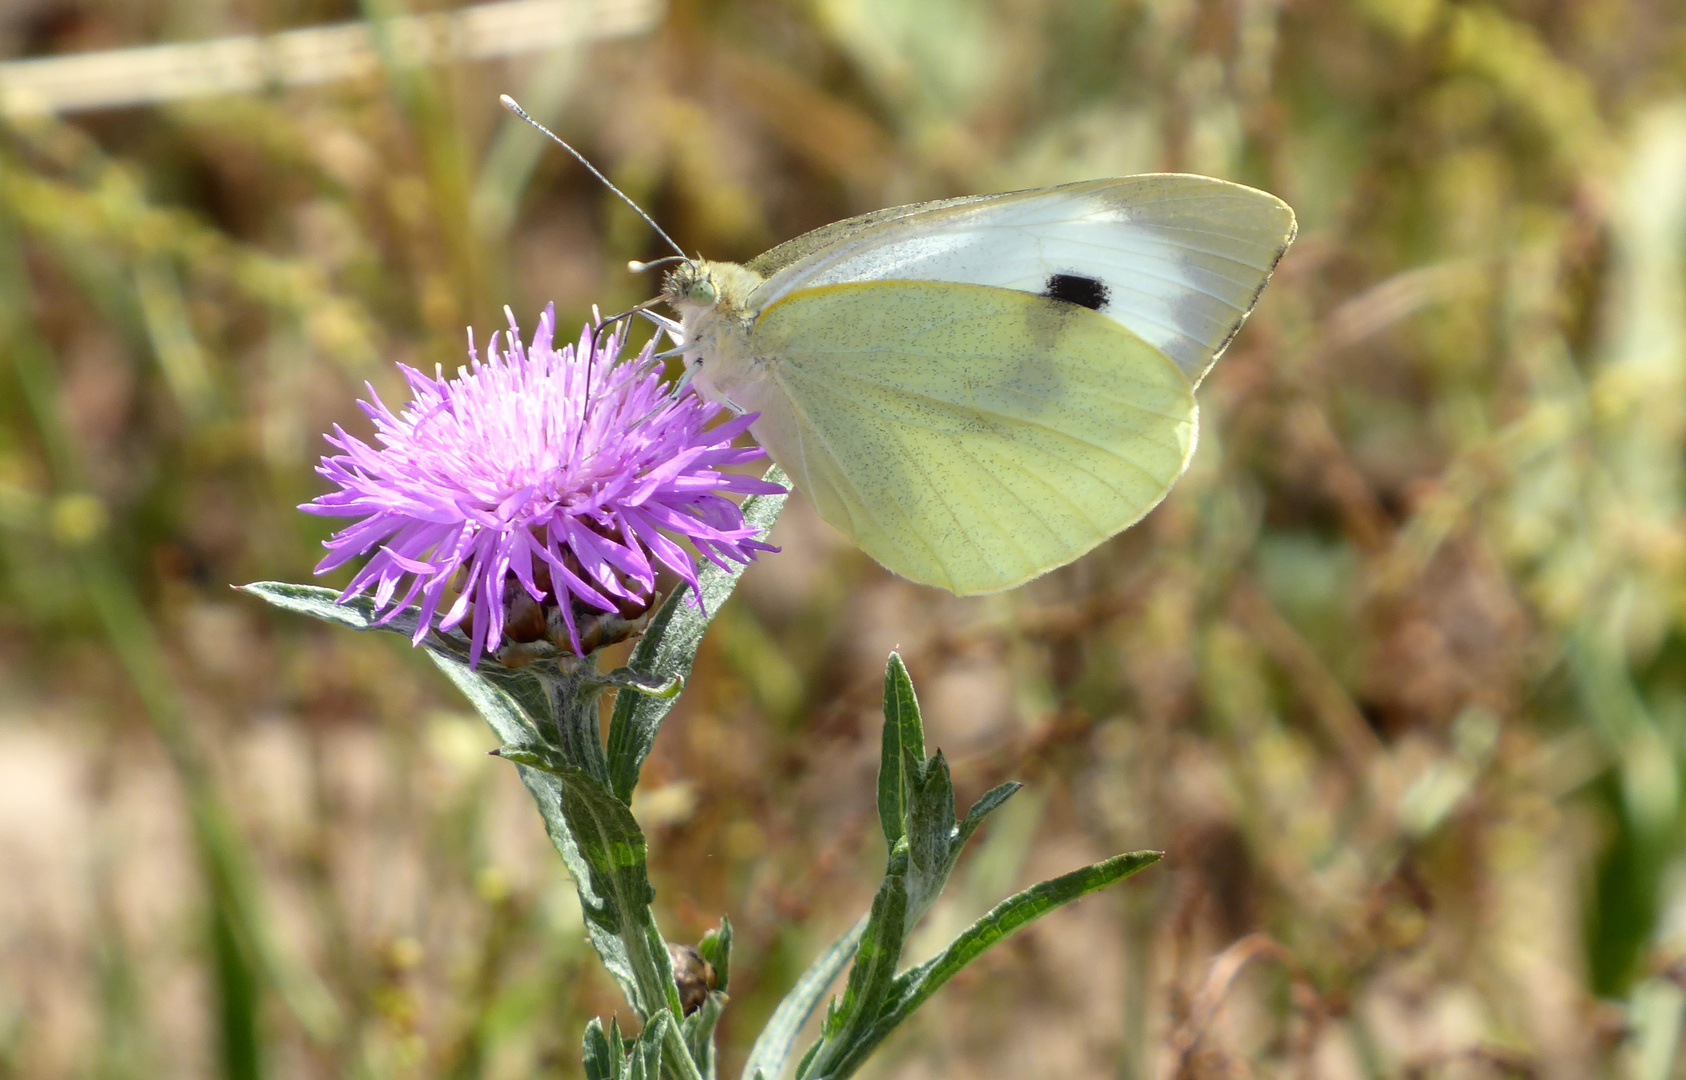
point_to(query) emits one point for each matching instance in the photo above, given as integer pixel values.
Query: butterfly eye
(701, 292)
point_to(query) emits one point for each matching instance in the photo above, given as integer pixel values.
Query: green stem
(573, 700)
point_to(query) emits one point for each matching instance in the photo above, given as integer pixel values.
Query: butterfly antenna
(639, 267)
(509, 103)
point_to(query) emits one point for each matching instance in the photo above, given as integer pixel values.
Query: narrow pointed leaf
(904, 738)
(932, 844)
(638, 682)
(617, 1042)
(985, 806)
(807, 1061)
(516, 727)
(915, 986)
(669, 647)
(716, 948)
(772, 1047)
(644, 1059)
(663, 1038)
(523, 688)
(698, 1029)
(532, 755)
(647, 1051)
(607, 834)
(872, 978)
(358, 613)
(602, 1062)
(603, 849)
(614, 851)
(930, 819)
(547, 792)
(319, 603)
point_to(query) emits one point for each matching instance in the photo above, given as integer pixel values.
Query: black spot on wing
(1075, 289)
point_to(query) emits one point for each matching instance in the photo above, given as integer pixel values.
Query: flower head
(556, 476)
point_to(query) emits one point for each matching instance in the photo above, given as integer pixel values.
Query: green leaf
(698, 1029)
(652, 987)
(676, 1057)
(526, 686)
(808, 1058)
(716, 948)
(547, 792)
(595, 834)
(772, 1047)
(904, 740)
(617, 1042)
(872, 978)
(916, 986)
(932, 840)
(930, 818)
(511, 702)
(531, 755)
(991, 802)
(319, 603)
(638, 682)
(608, 837)
(646, 1060)
(669, 647)
(916, 808)
(605, 900)
(545, 714)
(603, 1057)
(521, 687)
(1012, 915)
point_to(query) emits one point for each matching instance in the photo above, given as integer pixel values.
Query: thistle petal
(529, 458)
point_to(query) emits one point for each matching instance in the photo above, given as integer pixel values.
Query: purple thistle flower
(554, 473)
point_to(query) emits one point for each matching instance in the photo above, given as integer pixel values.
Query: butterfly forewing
(1177, 260)
(967, 436)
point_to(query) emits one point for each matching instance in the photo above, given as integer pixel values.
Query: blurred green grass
(1397, 675)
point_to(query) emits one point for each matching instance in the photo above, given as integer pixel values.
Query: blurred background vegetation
(1397, 675)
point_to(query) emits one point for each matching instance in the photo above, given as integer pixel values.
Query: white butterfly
(979, 390)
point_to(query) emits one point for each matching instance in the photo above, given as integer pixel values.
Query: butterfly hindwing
(967, 436)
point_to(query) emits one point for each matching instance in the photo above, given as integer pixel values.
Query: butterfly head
(713, 302)
(709, 295)
(690, 286)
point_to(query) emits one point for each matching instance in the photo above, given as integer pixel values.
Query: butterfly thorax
(712, 302)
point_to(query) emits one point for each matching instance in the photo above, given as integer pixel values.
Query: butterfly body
(979, 390)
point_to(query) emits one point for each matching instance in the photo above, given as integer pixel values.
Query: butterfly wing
(1177, 260)
(967, 436)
